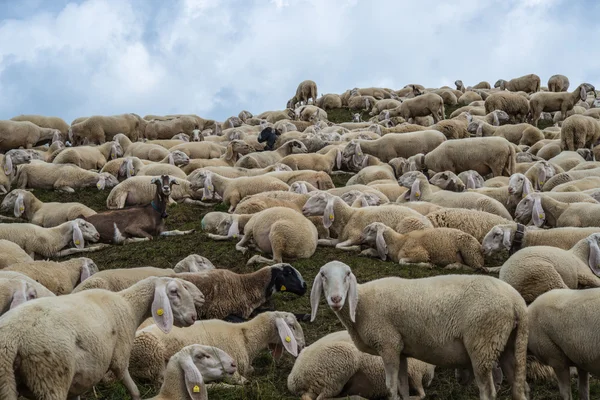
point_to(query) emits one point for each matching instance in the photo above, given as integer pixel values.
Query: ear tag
(210, 187)
(542, 183)
(160, 312)
(418, 194)
(360, 153)
(98, 185)
(131, 172)
(524, 195)
(331, 217)
(540, 216)
(235, 235)
(283, 288)
(196, 389)
(288, 339)
(77, 242)
(21, 209)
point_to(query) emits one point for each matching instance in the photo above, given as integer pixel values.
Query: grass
(269, 379)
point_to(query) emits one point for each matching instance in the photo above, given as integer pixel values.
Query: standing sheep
(579, 131)
(99, 129)
(562, 101)
(526, 83)
(422, 106)
(306, 90)
(46, 122)
(15, 134)
(515, 105)
(558, 83)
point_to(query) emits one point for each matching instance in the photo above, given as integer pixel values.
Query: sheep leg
(370, 253)
(484, 381)
(260, 260)
(134, 240)
(348, 245)
(130, 385)
(3, 218)
(3, 190)
(493, 269)
(219, 237)
(177, 233)
(68, 252)
(240, 245)
(403, 387)
(340, 172)
(563, 376)
(391, 365)
(197, 202)
(584, 384)
(459, 266)
(65, 189)
(328, 242)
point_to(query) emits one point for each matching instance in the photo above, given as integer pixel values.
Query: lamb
(48, 242)
(48, 215)
(511, 103)
(420, 190)
(316, 162)
(494, 155)
(60, 369)
(421, 106)
(485, 330)
(347, 222)
(475, 223)
(558, 337)
(542, 209)
(392, 146)
(558, 83)
(562, 101)
(190, 368)
(306, 90)
(579, 131)
(45, 122)
(243, 341)
(137, 191)
(15, 134)
(281, 231)
(11, 253)
(536, 270)
(59, 277)
(317, 372)
(520, 134)
(61, 177)
(526, 83)
(98, 129)
(233, 190)
(9, 162)
(266, 158)
(89, 157)
(444, 247)
(514, 237)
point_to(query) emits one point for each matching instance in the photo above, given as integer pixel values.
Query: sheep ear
(338, 159)
(541, 179)
(315, 296)
(352, 297)
(171, 160)
(382, 248)
(415, 190)
(328, 215)
(154, 180)
(19, 296)
(19, 206)
(363, 201)
(582, 93)
(161, 307)
(479, 131)
(537, 213)
(287, 337)
(8, 165)
(506, 239)
(229, 152)
(594, 257)
(209, 190)
(358, 150)
(101, 184)
(85, 272)
(173, 181)
(193, 379)
(527, 188)
(113, 151)
(471, 182)
(130, 170)
(496, 121)
(78, 236)
(234, 229)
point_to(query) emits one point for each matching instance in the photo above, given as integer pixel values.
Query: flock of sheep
(457, 193)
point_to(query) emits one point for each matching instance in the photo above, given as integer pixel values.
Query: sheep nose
(511, 190)
(336, 299)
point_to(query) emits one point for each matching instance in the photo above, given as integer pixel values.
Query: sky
(214, 58)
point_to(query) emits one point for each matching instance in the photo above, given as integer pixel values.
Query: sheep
(474, 111)
(14, 292)
(445, 247)
(306, 90)
(559, 337)
(329, 101)
(475, 223)
(48, 242)
(535, 270)
(448, 96)
(361, 103)
(347, 222)
(526, 83)
(580, 185)
(391, 190)
(158, 169)
(243, 341)
(11, 253)
(233, 190)
(61, 177)
(558, 118)
(98, 129)
(455, 128)
(523, 134)
(494, 155)
(511, 103)
(46, 122)
(280, 231)
(15, 134)
(514, 237)
(319, 179)
(48, 215)
(579, 131)
(167, 129)
(262, 201)
(137, 191)
(62, 368)
(542, 209)
(392, 146)
(266, 158)
(59, 277)
(372, 173)
(190, 368)
(420, 190)
(561, 101)
(316, 162)
(235, 150)
(89, 157)
(421, 106)
(145, 151)
(567, 159)
(9, 162)
(468, 97)
(45, 153)
(471, 179)
(570, 176)
(447, 181)
(333, 367)
(123, 168)
(484, 330)
(558, 83)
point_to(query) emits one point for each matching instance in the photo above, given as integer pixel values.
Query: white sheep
(266, 158)
(14, 292)
(61, 177)
(579, 131)
(89, 157)
(542, 209)
(9, 162)
(11, 253)
(475, 223)
(476, 331)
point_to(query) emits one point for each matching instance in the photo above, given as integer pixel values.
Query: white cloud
(214, 57)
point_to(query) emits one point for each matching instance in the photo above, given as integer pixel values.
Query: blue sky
(217, 57)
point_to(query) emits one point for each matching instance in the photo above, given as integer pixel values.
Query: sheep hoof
(241, 249)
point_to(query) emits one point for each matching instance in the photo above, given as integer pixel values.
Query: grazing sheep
(544, 210)
(59, 277)
(558, 83)
(491, 155)
(306, 90)
(267, 158)
(99, 129)
(579, 131)
(347, 222)
(562, 101)
(61, 177)
(444, 247)
(23, 204)
(511, 103)
(485, 330)
(526, 83)
(59, 366)
(475, 223)
(89, 157)
(15, 134)
(46, 122)
(333, 367)
(11, 253)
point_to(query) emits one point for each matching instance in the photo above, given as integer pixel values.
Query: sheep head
(459, 84)
(519, 186)
(472, 179)
(448, 180)
(594, 257)
(500, 236)
(339, 284)
(193, 263)
(372, 235)
(179, 158)
(321, 203)
(174, 303)
(285, 278)
(530, 208)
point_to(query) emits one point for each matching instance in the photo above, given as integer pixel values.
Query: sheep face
(289, 335)
(471, 179)
(181, 136)
(459, 84)
(448, 181)
(10, 200)
(497, 238)
(88, 230)
(106, 181)
(180, 158)
(216, 222)
(207, 362)
(530, 208)
(175, 303)
(316, 204)
(372, 235)
(409, 178)
(338, 283)
(297, 147)
(501, 116)
(194, 263)
(18, 156)
(285, 278)
(126, 170)
(519, 185)
(350, 196)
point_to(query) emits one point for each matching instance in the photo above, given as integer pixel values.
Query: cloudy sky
(74, 58)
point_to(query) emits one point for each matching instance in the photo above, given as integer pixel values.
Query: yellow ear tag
(542, 183)
(77, 242)
(196, 389)
(98, 185)
(331, 217)
(210, 187)
(288, 339)
(235, 235)
(360, 154)
(21, 209)
(418, 194)
(160, 312)
(131, 172)
(540, 216)
(283, 288)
